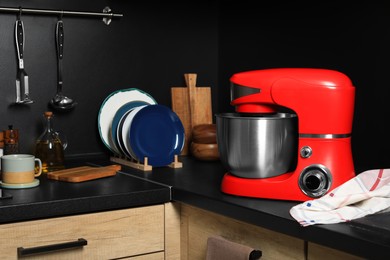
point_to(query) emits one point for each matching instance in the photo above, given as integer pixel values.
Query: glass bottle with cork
(11, 140)
(50, 146)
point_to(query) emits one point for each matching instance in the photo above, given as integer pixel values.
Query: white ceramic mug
(20, 168)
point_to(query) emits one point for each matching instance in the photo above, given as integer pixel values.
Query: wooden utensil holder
(144, 166)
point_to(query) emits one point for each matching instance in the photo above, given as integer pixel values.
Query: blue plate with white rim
(156, 132)
(118, 116)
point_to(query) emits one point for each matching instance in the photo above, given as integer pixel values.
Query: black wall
(150, 48)
(154, 44)
(351, 38)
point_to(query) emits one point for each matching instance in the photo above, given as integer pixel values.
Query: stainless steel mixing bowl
(257, 146)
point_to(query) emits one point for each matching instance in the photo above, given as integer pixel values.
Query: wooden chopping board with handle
(193, 106)
(83, 173)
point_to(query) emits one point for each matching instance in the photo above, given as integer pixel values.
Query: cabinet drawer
(112, 234)
(154, 256)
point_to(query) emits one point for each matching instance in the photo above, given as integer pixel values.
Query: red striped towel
(365, 194)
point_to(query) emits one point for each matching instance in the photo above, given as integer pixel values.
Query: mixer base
(282, 187)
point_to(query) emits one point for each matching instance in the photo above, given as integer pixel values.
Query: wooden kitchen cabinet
(197, 225)
(149, 232)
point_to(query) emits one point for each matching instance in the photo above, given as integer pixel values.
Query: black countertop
(196, 183)
(56, 198)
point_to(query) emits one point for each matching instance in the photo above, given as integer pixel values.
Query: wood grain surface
(83, 173)
(193, 106)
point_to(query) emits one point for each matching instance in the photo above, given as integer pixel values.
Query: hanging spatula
(22, 77)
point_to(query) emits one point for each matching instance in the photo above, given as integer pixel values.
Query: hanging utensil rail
(107, 15)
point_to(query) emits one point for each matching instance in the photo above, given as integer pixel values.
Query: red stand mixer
(321, 159)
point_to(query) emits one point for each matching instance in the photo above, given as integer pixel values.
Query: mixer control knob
(306, 152)
(315, 180)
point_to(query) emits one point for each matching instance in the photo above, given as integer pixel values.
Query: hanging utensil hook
(20, 12)
(61, 15)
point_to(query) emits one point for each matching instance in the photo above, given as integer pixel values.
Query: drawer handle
(49, 248)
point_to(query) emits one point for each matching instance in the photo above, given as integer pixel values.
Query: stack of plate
(132, 124)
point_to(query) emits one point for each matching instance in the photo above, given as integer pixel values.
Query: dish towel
(218, 248)
(366, 193)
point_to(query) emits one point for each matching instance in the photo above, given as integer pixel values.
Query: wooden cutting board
(193, 106)
(83, 173)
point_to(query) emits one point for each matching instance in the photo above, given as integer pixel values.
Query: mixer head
(323, 99)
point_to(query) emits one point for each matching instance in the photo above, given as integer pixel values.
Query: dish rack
(143, 166)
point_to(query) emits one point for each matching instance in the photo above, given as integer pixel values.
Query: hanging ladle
(60, 101)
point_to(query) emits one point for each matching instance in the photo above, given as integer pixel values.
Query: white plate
(109, 107)
(123, 110)
(125, 132)
(119, 139)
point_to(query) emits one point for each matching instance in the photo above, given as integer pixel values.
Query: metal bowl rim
(256, 116)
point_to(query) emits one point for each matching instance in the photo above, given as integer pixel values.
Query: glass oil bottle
(49, 147)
